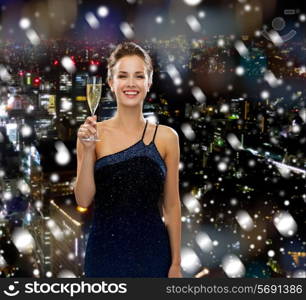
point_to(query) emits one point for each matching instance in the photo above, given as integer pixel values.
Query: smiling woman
(131, 176)
(131, 79)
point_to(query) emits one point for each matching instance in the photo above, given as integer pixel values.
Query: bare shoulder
(170, 143)
(167, 133)
(169, 139)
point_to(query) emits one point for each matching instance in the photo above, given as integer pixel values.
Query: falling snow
(237, 102)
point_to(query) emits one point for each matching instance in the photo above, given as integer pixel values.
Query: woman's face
(130, 81)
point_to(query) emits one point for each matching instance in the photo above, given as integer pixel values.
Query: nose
(131, 81)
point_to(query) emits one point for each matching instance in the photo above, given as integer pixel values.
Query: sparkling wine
(93, 92)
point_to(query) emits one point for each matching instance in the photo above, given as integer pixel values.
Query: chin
(136, 104)
(130, 102)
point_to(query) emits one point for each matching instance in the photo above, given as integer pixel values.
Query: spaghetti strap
(155, 132)
(144, 130)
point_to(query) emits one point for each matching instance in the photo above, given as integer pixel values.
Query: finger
(94, 120)
(90, 120)
(89, 129)
(83, 135)
(87, 121)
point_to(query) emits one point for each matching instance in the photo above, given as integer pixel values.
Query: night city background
(229, 77)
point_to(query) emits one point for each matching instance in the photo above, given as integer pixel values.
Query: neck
(129, 118)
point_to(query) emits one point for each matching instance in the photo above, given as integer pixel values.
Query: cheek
(145, 85)
(117, 85)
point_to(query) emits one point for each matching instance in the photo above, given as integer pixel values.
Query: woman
(128, 174)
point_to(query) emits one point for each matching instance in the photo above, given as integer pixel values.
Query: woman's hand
(87, 130)
(175, 272)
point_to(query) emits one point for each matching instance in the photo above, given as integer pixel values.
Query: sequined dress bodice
(128, 237)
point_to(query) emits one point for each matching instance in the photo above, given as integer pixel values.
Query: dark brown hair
(129, 49)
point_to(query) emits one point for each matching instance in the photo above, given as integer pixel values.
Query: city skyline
(235, 96)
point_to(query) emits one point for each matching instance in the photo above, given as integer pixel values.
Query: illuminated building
(67, 240)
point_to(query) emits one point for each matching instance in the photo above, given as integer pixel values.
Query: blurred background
(229, 77)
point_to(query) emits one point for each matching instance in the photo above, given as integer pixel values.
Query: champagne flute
(93, 95)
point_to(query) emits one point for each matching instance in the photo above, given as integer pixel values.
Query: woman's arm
(85, 188)
(172, 204)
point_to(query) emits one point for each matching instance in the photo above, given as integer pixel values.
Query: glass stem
(96, 134)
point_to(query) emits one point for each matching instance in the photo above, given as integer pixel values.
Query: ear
(110, 83)
(149, 86)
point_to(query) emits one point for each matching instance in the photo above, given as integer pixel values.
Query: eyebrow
(138, 72)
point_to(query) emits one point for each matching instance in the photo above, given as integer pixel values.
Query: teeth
(130, 93)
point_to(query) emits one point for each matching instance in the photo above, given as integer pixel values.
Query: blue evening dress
(127, 236)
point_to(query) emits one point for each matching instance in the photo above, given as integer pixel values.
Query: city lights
(228, 83)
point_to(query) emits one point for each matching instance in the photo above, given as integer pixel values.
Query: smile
(133, 93)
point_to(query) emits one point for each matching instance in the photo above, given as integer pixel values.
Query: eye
(140, 76)
(121, 76)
